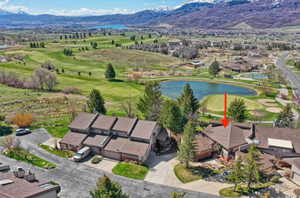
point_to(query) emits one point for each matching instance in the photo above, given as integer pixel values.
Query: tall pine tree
(108, 189)
(171, 117)
(96, 102)
(186, 150)
(188, 102)
(150, 104)
(110, 73)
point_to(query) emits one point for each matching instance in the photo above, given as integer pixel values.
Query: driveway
(161, 172)
(106, 164)
(77, 179)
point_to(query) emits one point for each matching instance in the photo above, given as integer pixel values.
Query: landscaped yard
(129, 170)
(243, 190)
(193, 173)
(25, 156)
(60, 153)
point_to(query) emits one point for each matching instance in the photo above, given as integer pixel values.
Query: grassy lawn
(242, 190)
(60, 153)
(25, 156)
(216, 102)
(192, 174)
(130, 170)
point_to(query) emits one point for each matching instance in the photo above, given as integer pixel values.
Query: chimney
(30, 177)
(20, 173)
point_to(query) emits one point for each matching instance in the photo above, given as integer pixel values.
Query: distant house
(117, 138)
(12, 186)
(280, 143)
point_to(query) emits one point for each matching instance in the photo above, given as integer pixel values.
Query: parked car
(22, 131)
(82, 154)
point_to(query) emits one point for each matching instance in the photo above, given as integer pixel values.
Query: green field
(85, 71)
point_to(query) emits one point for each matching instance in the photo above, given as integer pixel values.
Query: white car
(81, 154)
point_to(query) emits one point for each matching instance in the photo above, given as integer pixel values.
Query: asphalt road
(77, 179)
(290, 75)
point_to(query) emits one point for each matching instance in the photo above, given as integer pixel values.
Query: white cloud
(5, 5)
(84, 12)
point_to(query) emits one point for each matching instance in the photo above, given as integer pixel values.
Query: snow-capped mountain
(192, 14)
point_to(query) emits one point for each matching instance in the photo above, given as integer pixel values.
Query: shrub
(2, 117)
(96, 160)
(275, 179)
(23, 119)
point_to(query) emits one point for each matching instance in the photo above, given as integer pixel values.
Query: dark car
(22, 131)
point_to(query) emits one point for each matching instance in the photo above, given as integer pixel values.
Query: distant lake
(115, 27)
(173, 89)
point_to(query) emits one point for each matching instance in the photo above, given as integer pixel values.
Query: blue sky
(85, 7)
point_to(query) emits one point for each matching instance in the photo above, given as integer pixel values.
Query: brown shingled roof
(125, 145)
(203, 143)
(229, 137)
(20, 188)
(263, 133)
(125, 125)
(96, 140)
(115, 144)
(104, 122)
(74, 138)
(144, 129)
(83, 121)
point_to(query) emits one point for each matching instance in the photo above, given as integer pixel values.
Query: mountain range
(210, 14)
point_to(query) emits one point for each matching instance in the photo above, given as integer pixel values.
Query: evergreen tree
(171, 117)
(251, 166)
(238, 110)
(188, 102)
(108, 189)
(214, 68)
(237, 174)
(285, 118)
(177, 195)
(110, 73)
(96, 102)
(149, 105)
(186, 152)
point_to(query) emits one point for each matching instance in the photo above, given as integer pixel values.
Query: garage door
(112, 155)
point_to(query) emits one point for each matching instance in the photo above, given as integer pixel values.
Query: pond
(173, 89)
(115, 27)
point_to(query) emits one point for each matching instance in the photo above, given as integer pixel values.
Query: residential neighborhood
(150, 99)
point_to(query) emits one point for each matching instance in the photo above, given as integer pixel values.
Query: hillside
(194, 14)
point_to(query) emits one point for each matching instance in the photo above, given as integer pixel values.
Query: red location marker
(225, 121)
